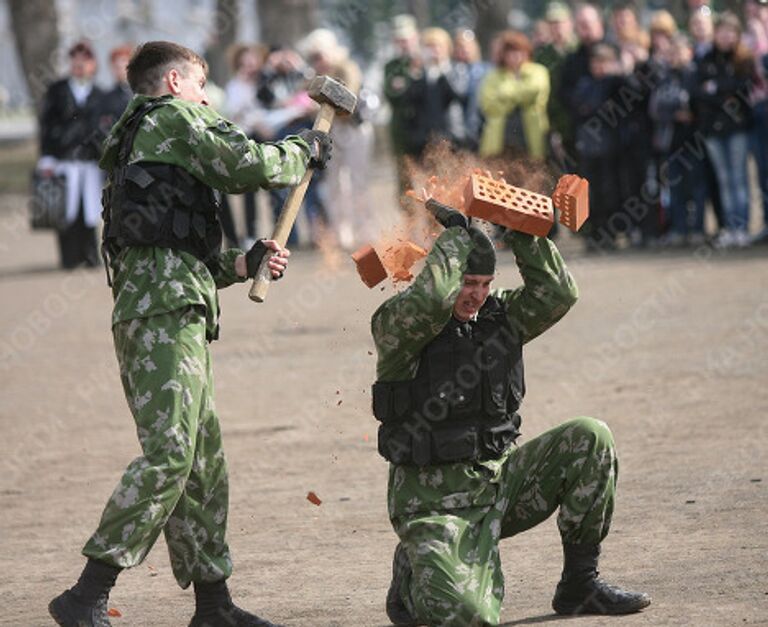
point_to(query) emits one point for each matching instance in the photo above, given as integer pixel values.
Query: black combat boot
(580, 591)
(85, 604)
(397, 612)
(214, 608)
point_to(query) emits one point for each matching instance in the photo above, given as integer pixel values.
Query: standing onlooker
(468, 72)
(347, 175)
(663, 29)
(116, 99)
(680, 172)
(638, 173)
(441, 116)
(724, 117)
(590, 31)
(701, 29)
(552, 56)
(244, 109)
(513, 97)
(282, 90)
(757, 40)
(404, 90)
(627, 34)
(541, 34)
(597, 145)
(70, 143)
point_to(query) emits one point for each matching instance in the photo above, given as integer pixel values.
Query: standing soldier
(450, 382)
(162, 239)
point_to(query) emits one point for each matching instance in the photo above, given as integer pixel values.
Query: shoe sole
(54, 615)
(57, 616)
(580, 609)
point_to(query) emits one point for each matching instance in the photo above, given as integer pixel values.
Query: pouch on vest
(455, 444)
(496, 439)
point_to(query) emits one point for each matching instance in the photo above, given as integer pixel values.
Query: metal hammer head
(327, 90)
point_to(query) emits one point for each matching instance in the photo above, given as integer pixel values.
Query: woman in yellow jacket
(513, 99)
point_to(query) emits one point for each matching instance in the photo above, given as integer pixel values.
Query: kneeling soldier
(165, 156)
(450, 382)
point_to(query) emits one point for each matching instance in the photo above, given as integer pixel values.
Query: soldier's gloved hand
(320, 147)
(278, 260)
(445, 215)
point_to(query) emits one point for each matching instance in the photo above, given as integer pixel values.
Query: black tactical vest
(462, 405)
(157, 204)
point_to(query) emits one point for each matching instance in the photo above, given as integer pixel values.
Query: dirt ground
(671, 350)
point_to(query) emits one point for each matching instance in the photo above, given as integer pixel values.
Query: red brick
(400, 258)
(506, 205)
(369, 266)
(571, 197)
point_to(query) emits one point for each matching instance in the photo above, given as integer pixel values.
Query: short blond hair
(435, 35)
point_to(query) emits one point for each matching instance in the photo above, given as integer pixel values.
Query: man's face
(435, 53)
(188, 83)
(472, 295)
(82, 66)
(624, 21)
(407, 46)
(589, 26)
(726, 38)
(561, 31)
(700, 26)
(119, 67)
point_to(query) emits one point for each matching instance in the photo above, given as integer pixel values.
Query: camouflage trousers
(179, 484)
(456, 577)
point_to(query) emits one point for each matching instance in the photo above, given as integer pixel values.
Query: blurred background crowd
(666, 116)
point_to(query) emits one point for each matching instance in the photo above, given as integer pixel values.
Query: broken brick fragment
(400, 258)
(369, 266)
(571, 197)
(503, 204)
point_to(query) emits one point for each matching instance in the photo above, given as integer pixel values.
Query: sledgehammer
(334, 98)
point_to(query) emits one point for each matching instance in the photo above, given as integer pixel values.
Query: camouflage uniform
(166, 311)
(450, 517)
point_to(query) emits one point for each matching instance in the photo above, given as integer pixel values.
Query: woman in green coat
(513, 99)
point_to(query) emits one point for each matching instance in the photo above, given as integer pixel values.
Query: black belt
(421, 443)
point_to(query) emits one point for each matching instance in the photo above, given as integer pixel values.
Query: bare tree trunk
(284, 22)
(224, 35)
(35, 27)
(420, 10)
(491, 19)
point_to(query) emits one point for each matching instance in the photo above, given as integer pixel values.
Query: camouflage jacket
(403, 325)
(150, 281)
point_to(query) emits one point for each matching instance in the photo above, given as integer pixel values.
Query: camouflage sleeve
(231, 162)
(220, 154)
(403, 325)
(224, 274)
(549, 289)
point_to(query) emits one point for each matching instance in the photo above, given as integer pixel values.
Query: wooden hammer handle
(289, 212)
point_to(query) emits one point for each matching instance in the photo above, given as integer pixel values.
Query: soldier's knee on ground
(594, 429)
(457, 609)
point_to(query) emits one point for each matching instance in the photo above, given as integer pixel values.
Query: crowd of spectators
(660, 117)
